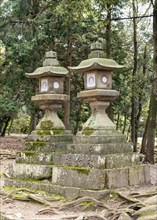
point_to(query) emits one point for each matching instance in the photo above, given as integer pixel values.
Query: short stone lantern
(97, 72)
(51, 92)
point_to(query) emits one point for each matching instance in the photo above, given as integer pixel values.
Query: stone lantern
(97, 73)
(51, 92)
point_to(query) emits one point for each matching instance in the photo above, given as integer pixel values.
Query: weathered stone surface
(139, 175)
(32, 157)
(28, 171)
(122, 160)
(117, 178)
(79, 160)
(99, 139)
(42, 137)
(56, 189)
(72, 193)
(36, 185)
(147, 177)
(45, 146)
(100, 149)
(78, 177)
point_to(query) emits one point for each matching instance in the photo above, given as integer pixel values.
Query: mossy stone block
(117, 178)
(122, 160)
(33, 157)
(139, 175)
(100, 149)
(42, 137)
(102, 139)
(79, 160)
(78, 177)
(45, 146)
(30, 171)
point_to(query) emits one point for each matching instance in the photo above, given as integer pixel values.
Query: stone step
(75, 182)
(91, 149)
(100, 149)
(102, 139)
(65, 137)
(45, 146)
(97, 179)
(70, 193)
(79, 160)
(30, 171)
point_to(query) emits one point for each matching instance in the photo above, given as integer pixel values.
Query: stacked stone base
(90, 165)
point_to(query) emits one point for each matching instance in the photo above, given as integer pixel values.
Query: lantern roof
(51, 67)
(96, 60)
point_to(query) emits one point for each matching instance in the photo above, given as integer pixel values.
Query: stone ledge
(100, 149)
(78, 177)
(70, 193)
(29, 171)
(44, 146)
(64, 137)
(102, 139)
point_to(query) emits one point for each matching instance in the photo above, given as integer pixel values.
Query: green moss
(28, 180)
(7, 188)
(30, 153)
(19, 196)
(57, 132)
(37, 144)
(87, 131)
(80, 170)
(88, 205)
(46, 125)
(113, 194)
(43, 132)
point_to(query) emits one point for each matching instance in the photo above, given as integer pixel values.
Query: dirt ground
(28, 210)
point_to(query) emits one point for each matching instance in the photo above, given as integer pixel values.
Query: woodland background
(128, 30)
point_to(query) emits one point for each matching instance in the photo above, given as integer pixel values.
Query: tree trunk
(67, 104)
(108, 50)
(67, 82)
(5, 126)
(149, 134)
(117, 125)
(125, 120)
(108, 32)
(133, 98)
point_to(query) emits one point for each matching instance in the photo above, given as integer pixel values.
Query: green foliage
(20, 123)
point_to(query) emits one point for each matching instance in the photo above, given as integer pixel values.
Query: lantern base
(50, 104)
(99, 119)
(50, 121)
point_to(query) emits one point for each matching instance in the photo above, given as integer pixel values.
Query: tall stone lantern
(51, 92)
(97, 73)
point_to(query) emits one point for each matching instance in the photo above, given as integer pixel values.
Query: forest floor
(122, 204)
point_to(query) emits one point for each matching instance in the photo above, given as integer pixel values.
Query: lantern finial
(51, 59)
(96, 50)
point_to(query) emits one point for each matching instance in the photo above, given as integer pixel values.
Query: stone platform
(87, 164)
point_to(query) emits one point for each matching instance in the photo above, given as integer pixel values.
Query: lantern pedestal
(99, 100)
(50, 104)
